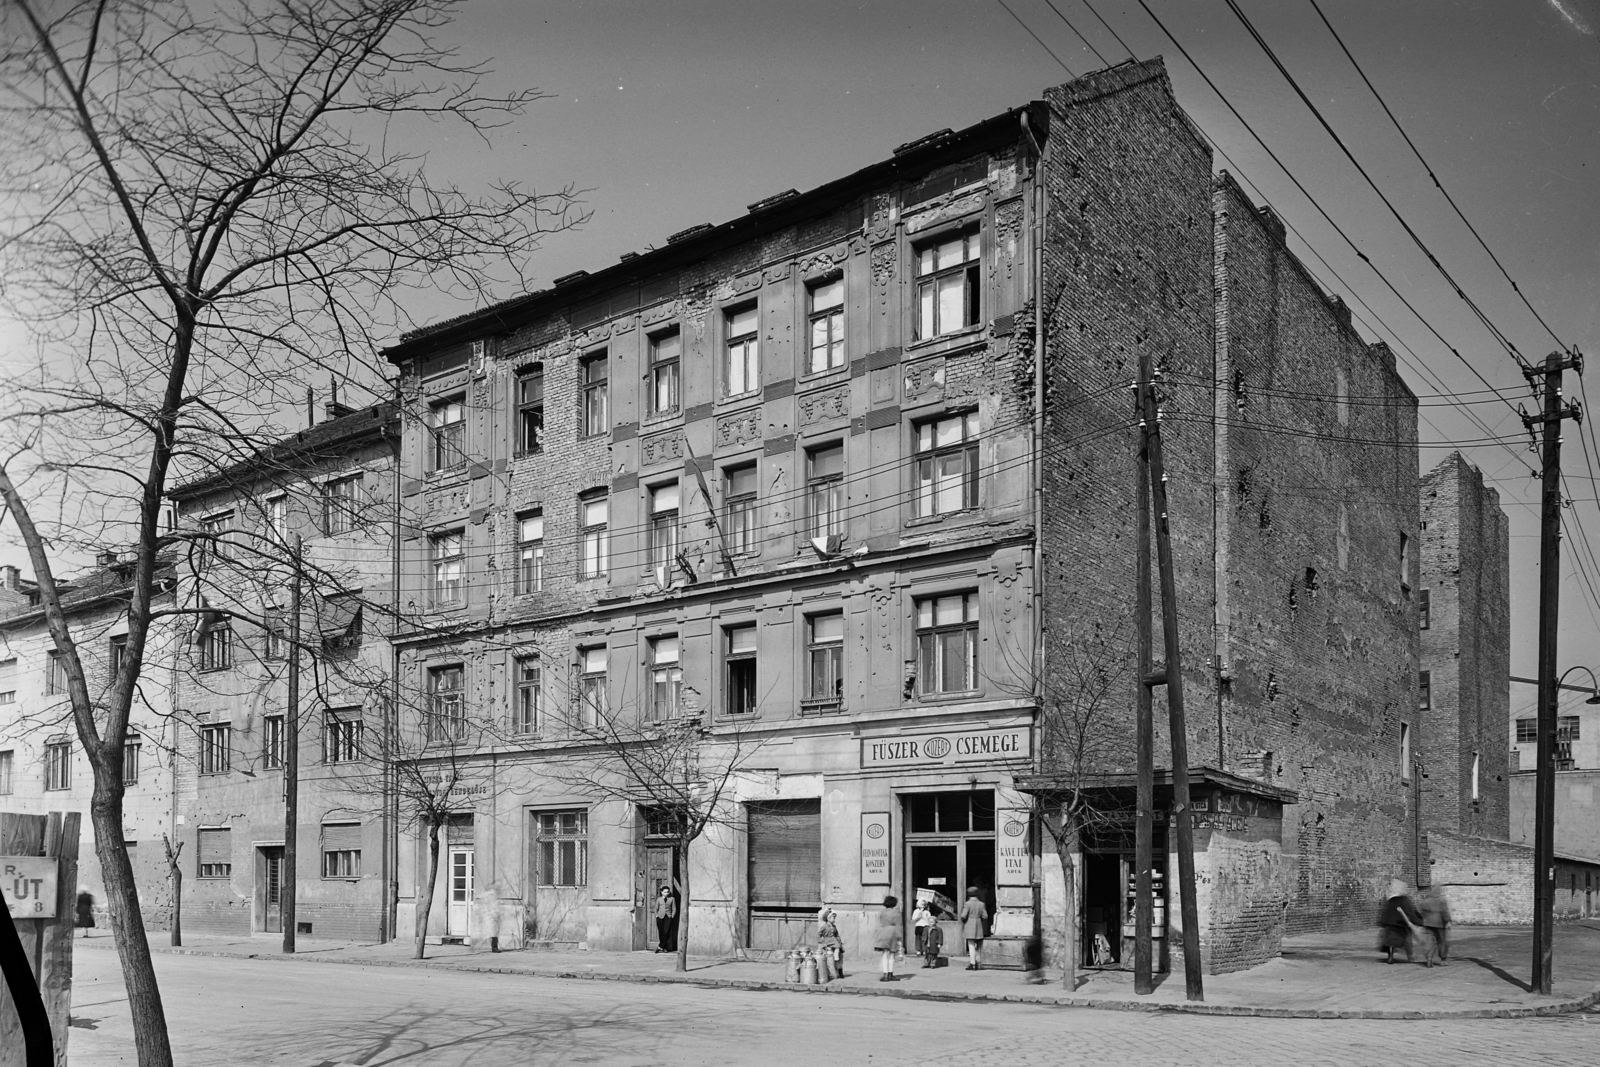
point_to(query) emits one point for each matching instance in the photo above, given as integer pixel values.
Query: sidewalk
(1318, 976)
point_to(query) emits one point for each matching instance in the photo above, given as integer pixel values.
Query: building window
(216, 748)
(130, 758)
(947, 465)
(58, 765)
(592, 516)
(592, 374)
(1405, 751)
(447, 566)
(272, 742)
(825, 659)
(277, 510)
(341, 850)
(527, 676)
(448, 421)
(530, 553)
(216, 541)
(665, 352)
(1527, 731)
(663, 532)
(8, 681)
(341, 736)
(825, 490)
(592, 663)
(666, 678)
(340, 623)
(216, 647)
(215, 852)
(446, 703)
(739, 512)
(1567, 728)
(741, 367)
(1405, 564)
(827, 326)
(7, 763)
(530, 411)
(1424, 610)
(947, 644)
(1424, 690)
(340, 498)
(562, 841)
(276, 637)
(117, 653)
(55, 673)
(948, 286)
(741, 669)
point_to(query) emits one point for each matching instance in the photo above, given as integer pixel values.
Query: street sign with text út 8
(29, 885)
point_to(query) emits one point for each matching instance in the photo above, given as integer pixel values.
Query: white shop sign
(1012, 848)
(29, 885)
(875, 852)
(948, 746)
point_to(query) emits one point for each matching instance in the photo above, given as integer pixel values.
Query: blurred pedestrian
(1434, 911)
(974, 915)
(83, 913)
(890, 937)
(1397, 920)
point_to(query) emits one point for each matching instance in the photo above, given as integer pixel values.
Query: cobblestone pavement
(241, 1011)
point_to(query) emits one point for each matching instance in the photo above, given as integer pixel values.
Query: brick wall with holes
(1317, 502)
(1491, 882)
(1466, 652)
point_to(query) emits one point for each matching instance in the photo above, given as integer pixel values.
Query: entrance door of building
(950, 841)
(458, 909)
(661, 869)
(271, 890)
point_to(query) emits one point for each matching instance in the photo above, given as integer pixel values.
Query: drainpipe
(1037, 472)
(391, 800)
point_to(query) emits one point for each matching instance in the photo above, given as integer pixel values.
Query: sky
(671, 113)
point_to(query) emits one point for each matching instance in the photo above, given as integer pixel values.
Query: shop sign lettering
(875, 844)
(29, 885)
(956, 746)
(1012, 847)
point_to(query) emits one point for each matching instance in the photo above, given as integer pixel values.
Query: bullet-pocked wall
(1318, 534)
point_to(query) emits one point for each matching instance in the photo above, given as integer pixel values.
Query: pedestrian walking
(667, 920)
(1434, 911)
(973, 917)
(1397, 921)
(921, 919)
(83, 913)
(890, 937)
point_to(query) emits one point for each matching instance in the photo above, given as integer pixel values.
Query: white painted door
(458, 910)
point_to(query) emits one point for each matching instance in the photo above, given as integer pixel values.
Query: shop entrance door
(272, 890)
(458, 910)
(950, 846)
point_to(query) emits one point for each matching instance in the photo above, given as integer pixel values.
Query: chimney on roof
(106, 557)
(10, 578)
(335, 410)
(311, 407)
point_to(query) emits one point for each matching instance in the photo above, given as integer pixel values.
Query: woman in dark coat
(1396, 921)
(83, 913)
(889, 938)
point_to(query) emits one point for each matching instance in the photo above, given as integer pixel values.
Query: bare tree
(208, 208)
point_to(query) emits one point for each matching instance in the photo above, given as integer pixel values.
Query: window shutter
(340, 836)
(216, 846)
(786, 853)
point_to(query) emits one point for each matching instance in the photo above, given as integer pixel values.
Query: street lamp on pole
(1544, 826)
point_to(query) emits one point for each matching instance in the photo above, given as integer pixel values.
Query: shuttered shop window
(216, 853)
(786, 854)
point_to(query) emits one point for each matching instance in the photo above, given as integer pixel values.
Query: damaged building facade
(800, 483)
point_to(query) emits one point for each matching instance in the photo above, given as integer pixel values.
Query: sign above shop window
(948, 746)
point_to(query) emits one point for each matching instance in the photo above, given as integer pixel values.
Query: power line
(1103, 61)
(1035, 36)
(1088, 4)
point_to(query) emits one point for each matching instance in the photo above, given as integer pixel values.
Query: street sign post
(29, 885)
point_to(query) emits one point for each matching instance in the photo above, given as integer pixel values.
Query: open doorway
(1103, 879)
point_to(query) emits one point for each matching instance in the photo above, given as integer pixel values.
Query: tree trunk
(425, 904)
(1066, 840)
(682, 962)
(127, 922)
(175, 878)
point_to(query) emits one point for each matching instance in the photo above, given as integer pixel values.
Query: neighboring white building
(42, 762)
(1577, 730)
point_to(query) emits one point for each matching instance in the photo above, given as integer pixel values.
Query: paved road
(240, 1011)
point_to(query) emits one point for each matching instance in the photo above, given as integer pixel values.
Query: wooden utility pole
(1182, 814)
(291, 761)
(1544, 841)
(1144, 729)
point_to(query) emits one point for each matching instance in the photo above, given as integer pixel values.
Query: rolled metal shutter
(786, 854)
(216, 846)
(341, 836)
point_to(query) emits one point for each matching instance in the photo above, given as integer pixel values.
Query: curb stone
(1563, 1007)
